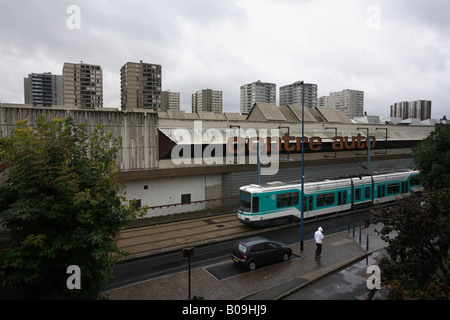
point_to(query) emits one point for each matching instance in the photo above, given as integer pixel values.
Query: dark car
(257, 251)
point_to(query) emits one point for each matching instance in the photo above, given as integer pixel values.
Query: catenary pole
(303, 167)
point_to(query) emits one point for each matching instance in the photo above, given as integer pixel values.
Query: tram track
(155, 239)
(162, 238)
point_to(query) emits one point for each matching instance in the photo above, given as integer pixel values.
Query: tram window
(367, 191)
(404, 187)
(393, 188)
(255, 203)
(326, 199)
(339, 198)
(357, 194)
(287, 199)
(245, 202)
(414, 181)
(311, 204)
(381, 191)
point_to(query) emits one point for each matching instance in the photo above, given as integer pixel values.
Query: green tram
(278, 203)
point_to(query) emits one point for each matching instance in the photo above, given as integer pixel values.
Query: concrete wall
(137, 129)
(167, 192)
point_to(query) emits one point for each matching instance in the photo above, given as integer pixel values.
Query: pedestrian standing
(318, 237)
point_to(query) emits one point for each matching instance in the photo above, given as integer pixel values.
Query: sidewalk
(271, 282)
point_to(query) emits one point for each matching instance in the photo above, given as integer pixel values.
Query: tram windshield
(245, 202)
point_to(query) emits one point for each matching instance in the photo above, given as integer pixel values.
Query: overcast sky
(391, 50)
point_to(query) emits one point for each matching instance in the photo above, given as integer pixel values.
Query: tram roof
(280, 185)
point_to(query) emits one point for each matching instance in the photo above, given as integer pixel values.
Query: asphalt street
(159, 265)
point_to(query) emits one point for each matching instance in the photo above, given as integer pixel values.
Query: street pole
(259, 165)
(303, 167)
(368, 152)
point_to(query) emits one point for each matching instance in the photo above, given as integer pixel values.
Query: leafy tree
(64, 206)
(432, 157)
(417, 265)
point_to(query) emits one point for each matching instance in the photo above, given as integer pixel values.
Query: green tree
(432, 157)
(64, 206)
(417, 261)
(418, 235)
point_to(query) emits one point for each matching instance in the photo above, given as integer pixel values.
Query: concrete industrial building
(293, 94)
(43, 89)
(207, 100)
(174, 161)
(141, 86)
(83, 85)
(257, 91)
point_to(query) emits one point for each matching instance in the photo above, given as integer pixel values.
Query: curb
(339, 267)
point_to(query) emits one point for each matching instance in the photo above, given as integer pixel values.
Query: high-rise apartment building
(43, 89)
(322, 101)
(170, 100)
(293, 94)
(257, 92)
(351, 102)
(83, 85)
(141, 86)
(207, 100)
(400, 110)
(419, 109)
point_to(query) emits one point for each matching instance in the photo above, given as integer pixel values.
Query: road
(131, 272)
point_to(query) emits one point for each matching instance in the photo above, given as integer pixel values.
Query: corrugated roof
(288, 114)
(235, 116)
(266, 112)
(329, 114)
(210, 115)
(297, 111)
(344, 117)
(191, 135)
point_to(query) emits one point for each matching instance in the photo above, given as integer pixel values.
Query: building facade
(141, 86)
(43, 89)
(419, 109)
(170, 100)
(293, 94)
(176, 162)
(83, 85)
(207, 100)
(257, 92)
(351, 102)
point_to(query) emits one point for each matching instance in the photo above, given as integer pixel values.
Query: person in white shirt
(318, 237)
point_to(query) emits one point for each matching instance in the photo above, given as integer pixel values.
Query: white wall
(169, 190)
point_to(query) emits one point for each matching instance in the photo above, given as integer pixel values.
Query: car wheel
(285, 257)
(252, 266)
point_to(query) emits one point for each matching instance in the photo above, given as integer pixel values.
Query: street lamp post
(303, 167)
